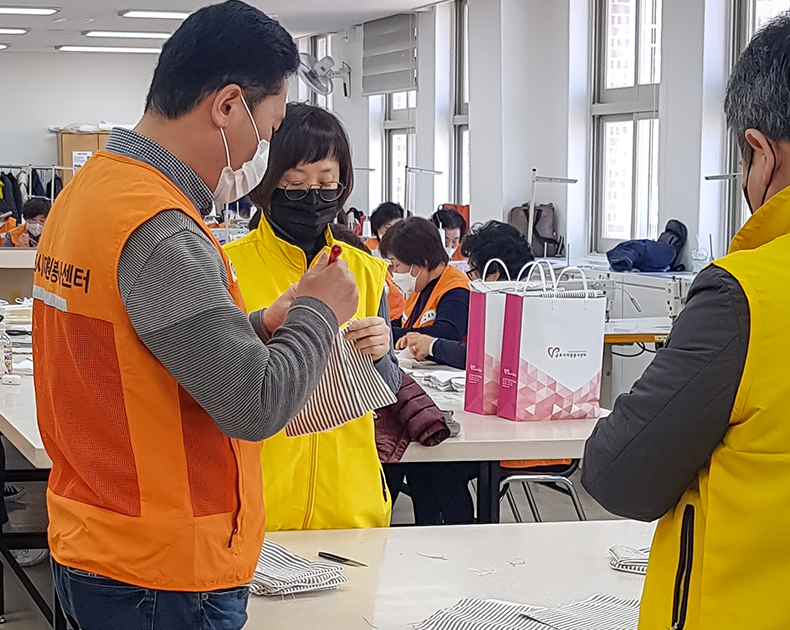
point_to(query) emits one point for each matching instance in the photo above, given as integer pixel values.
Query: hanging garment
(14, 183)
(57, 182)
(23, 180)
(36, 185)
(8, 196)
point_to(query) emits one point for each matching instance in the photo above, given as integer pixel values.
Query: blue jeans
(93, 602)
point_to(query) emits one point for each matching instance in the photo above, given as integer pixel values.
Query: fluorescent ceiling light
(26, 11)
(13, 31)
(124, 34)
(3, 46)
(108, 49)
(158, 15)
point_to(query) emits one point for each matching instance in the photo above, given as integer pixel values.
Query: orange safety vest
(144, 487)
(7, 225)
(372, 244)
(15, 233)
(395, 299)
(457, 255)
(450, 279)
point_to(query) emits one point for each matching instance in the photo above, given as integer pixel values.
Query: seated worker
(437, 294)
(455, 229)
(329, 480)
(702, 441)
(381, 220)
(483, 243)
(35, 212)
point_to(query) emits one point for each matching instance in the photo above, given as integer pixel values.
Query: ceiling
(300, 17)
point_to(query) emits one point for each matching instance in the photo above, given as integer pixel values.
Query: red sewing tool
(334, 254)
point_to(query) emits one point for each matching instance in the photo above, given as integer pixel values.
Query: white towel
(279, 572)
(348, 389)
(629, 559)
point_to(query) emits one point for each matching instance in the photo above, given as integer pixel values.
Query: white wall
(692, 125)
(528, 105)
(353, 112)
(43, 90)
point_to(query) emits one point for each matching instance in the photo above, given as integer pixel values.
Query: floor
(29, 513)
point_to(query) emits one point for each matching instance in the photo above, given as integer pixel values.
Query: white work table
(637, 330)
(18, 421)
(544, 564)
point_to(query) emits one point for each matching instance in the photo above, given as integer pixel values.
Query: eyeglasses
(473, 274)
(328, 192)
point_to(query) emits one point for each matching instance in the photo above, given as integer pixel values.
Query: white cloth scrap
(279, 572)
(442, 380)
(629, 559)
(349, 388)
(599, 612)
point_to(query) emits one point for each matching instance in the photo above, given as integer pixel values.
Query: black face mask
(303, 222)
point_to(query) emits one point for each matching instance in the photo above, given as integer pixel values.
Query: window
(400, 144)
(749, 17)
(461, 118)
(625, 121)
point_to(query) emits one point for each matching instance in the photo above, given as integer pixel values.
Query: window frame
(398, 121)
(460, 91)
(638, 102)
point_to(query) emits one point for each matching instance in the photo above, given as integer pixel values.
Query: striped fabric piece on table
(279, 572)
(599, 612)
(476, 614)
(348, 389)
(629, 559)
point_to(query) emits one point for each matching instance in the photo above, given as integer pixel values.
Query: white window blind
(389, 62)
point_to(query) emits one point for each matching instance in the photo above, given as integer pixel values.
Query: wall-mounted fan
(318, 75)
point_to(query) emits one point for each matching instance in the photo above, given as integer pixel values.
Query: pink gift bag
(552, 354)
(484, 343)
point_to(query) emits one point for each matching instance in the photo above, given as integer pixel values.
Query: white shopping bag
(552, 353)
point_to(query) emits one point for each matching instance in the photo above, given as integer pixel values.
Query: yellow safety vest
(330, 480)
(721, 558)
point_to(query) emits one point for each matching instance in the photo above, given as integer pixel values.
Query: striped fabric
(599, 612)
(629, 560)
(349, 388)
(279, 572)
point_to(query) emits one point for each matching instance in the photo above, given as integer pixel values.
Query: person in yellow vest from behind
(154, 387)
(329, 480)
(703, 439)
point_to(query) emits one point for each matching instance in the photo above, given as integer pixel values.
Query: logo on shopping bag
(558, 353)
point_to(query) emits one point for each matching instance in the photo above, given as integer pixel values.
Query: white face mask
(35, 229)
(233, 185)
(406, 282)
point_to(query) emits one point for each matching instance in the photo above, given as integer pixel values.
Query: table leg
(488, 493)
(59, 623)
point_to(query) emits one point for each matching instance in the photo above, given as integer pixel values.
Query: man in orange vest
(154, 387)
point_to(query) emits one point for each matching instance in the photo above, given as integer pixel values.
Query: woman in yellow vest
(331, 480)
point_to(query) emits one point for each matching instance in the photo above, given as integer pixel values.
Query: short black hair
(36, 207)
(415, 241)
(308, 134)
(497, 240)
(449, 220)
(216, 46)
(386, 212)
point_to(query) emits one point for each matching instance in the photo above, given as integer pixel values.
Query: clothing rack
(54, 168)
